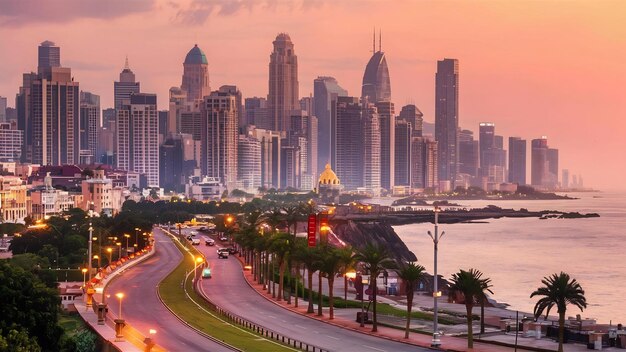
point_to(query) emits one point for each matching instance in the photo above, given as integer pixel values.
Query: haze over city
(532, 68)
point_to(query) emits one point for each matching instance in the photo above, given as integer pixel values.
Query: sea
(516, 254)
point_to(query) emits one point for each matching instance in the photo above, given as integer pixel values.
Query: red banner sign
(312, 226)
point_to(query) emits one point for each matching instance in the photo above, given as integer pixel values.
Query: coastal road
(228, 289)
(143, 310)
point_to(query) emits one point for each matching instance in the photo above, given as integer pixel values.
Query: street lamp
(119, 255)
(89, 254)
(97, 257)
(127, 237)
(110, 253)
(120, 295)
(364, 281)
(84, 270)
(199, 260)
(436, 294)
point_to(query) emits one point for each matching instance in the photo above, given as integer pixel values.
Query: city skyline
(502, 80)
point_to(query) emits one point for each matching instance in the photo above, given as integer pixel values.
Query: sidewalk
(133, 340)
(346, 318)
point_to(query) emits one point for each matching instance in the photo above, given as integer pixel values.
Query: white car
(209, 242)
(195, 241)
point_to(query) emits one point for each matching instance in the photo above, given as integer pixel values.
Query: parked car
(209, 242)
(222, 253)
(195, 241)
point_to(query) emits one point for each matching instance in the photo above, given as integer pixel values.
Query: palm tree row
(272, 253)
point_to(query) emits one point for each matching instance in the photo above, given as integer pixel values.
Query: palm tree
(374, 258)
(280, 245)
(559, 290)
(411, 274)
(347, 264)
(309, 257)
(472, 286)
(293, 214)
(330, 265)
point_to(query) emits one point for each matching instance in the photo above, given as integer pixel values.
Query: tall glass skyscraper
(283, 83)
(447, 118)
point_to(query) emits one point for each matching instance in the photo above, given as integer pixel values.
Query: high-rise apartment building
(249, 162)
(270, 156)
(171, 163)
(219, 140)
(304, 135)
(195, 82)
(492, 155)
(234, 91)
(553, 168)
(447, 118)
(372, 160)
(89, 127)
(11, 142)
(565, 179)
(325, 93)
(126, 86)
(138, 137)
(349, 155)
(48, 111)
(424, 163)
(517, 160)
(283, 94)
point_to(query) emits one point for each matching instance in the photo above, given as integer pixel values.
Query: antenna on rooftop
(380, 40)
(374, 41)
(126, 63)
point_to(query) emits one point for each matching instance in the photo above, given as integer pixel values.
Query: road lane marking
(374, 348)
(332, 337)
(299, 326)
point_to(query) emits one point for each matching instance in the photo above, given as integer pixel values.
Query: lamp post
(97, 257)
(119, 295)
(119, 246)
(364, 281)
(89, 254)
(149, 341)
(137, 230)
(127, 237)
(436, 294)
(110, 253)
(198, 261)
(84, 270)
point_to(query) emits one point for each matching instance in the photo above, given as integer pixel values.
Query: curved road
(142, 308)
(228, 289)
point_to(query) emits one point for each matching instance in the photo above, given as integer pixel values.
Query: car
(232, 250)
(206, 273)
(195, 241)
(223, 238)
(209, 242)
(222, 253)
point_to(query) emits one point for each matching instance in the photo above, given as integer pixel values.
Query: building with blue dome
(195, 75)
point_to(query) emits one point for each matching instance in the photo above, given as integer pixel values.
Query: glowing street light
(84, 270)
(127, 237)
(120, 295)
(110, 253)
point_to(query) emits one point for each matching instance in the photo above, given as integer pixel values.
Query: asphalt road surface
(142, 308)
(228, 289)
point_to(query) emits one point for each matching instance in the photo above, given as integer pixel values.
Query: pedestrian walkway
(133, 340)
(449, 343)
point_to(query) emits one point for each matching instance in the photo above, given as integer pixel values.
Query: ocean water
(517, 253)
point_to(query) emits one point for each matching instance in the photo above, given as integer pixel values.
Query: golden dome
(328, 177)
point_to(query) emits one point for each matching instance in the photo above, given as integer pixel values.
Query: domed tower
(329, 186)
(196, 75)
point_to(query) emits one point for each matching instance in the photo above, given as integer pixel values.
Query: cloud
(20, 12)
(199, 11)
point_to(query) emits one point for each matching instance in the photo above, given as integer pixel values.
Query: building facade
(195, 82)
(447, 117)
(283, 94)
(517, 160)
(325, 93)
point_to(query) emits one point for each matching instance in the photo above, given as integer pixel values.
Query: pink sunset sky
(534, 68)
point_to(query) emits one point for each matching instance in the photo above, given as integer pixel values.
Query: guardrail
(261, 330)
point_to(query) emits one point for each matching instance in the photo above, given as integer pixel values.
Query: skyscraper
(553, 168)
(539, 162)
(404, 133)
(517, 160)
(350, 143)
(283, 94)
(387, 135)
(257, 113)
(376, 84)
(3, 109)
(171, 162)
(468, 155)
(138, 137)
(125, 87)
(423, 163)
(414, 116)
(48, 111)
(219, 139)
(565, 179)
(447, 118)
(304, 134)
(492, 155)
(325, 93)
(233, 90)
(89, 127)
(372, 160)
(195, 75)
(249, 162)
